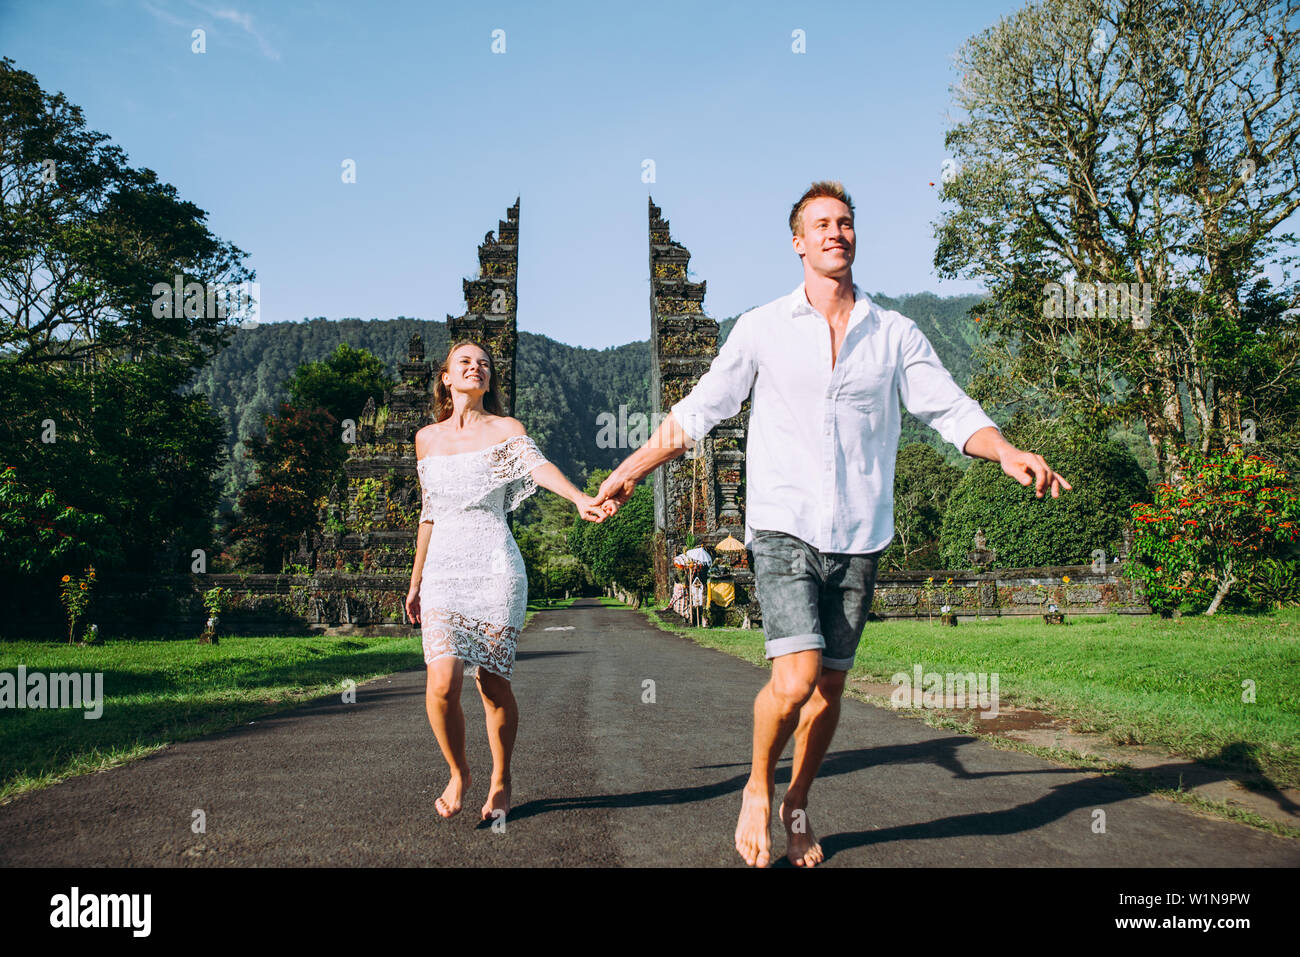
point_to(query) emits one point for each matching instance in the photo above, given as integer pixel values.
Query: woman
(468, 587)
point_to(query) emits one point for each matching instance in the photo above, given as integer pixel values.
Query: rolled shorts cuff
(837, 664)
(776, 647)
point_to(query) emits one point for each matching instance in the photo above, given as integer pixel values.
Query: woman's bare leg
(502, 726)
(442, 702)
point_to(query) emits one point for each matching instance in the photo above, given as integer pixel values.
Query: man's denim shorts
(812, 599)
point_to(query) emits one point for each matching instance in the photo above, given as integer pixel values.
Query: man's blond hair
(828, 187)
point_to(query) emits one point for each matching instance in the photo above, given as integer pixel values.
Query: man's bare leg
(442, 703)
(776, 715)
(818, 719)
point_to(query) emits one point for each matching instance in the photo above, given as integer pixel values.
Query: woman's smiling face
(468, 370)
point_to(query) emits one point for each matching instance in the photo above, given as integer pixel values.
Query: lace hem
(476, 641)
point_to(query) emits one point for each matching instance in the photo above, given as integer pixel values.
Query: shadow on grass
(151, 708)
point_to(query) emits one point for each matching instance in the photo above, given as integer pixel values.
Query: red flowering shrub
(1216, 529)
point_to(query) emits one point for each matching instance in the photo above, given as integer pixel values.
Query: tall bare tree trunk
(1226, 581)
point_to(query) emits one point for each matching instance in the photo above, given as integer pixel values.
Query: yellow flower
(949, 581)
(67, 578)
(930, 579)
(83, 586)
(1066, 579)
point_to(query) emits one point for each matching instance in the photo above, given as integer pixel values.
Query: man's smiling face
(828, 242)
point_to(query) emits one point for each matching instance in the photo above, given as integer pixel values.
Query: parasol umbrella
(697, 556)
(730, 544)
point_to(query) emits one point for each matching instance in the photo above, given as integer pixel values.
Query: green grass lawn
(1176, 683)
(157, 692)
(541, 604)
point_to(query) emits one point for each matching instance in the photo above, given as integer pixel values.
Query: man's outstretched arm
(668, 442)
(717, 396)
(1024, 467)
(929, 393)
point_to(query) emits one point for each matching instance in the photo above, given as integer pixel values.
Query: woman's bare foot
(498, 799)
(448, 804)
(801, 846)
(753, 830)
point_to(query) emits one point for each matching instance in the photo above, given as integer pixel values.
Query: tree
(87, 241)
(1149, 143)
(90, 365)
(302, 453)
(38, 533)
(617, 550)
(340, 384)
(297, 461)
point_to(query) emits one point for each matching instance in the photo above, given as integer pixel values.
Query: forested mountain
(561, 389)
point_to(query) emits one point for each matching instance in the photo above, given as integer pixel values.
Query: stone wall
(171, 606)
(1009, 591)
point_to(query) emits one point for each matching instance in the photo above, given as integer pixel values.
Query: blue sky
(445, 134)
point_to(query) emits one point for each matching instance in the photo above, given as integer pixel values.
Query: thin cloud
(242, 20)
(245, 21)
(163, 15)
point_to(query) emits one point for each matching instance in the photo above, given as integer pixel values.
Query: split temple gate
(703, 491)
(351, 572)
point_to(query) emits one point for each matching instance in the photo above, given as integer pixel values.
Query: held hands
(615, 491)
(1026, 468)
(591, 509)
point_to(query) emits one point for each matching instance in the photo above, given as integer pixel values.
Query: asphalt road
(601, 777)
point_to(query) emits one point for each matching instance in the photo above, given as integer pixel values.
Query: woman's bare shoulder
(426, 440)
(509, 427)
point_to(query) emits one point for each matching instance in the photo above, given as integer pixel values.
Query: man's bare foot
(498, 800)
(753, 830)
(801, 846)
(448, 804)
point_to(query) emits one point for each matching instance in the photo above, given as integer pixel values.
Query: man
(827, 367)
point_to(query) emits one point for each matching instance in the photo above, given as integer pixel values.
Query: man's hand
(590, 510)
(1026, 468)
(615, 490)
(668, 442)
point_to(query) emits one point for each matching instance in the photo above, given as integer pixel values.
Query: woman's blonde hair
(442, 403)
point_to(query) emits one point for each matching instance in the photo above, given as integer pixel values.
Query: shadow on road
(1088, 793)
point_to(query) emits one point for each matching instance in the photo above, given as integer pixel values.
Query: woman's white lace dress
(473, 588)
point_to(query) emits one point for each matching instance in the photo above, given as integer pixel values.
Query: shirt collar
(861, 304)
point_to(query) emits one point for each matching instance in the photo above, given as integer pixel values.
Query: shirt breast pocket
(869, 389)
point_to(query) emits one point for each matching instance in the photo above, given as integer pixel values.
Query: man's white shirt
(823, 443)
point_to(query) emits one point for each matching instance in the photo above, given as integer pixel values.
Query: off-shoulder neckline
(452, 455)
